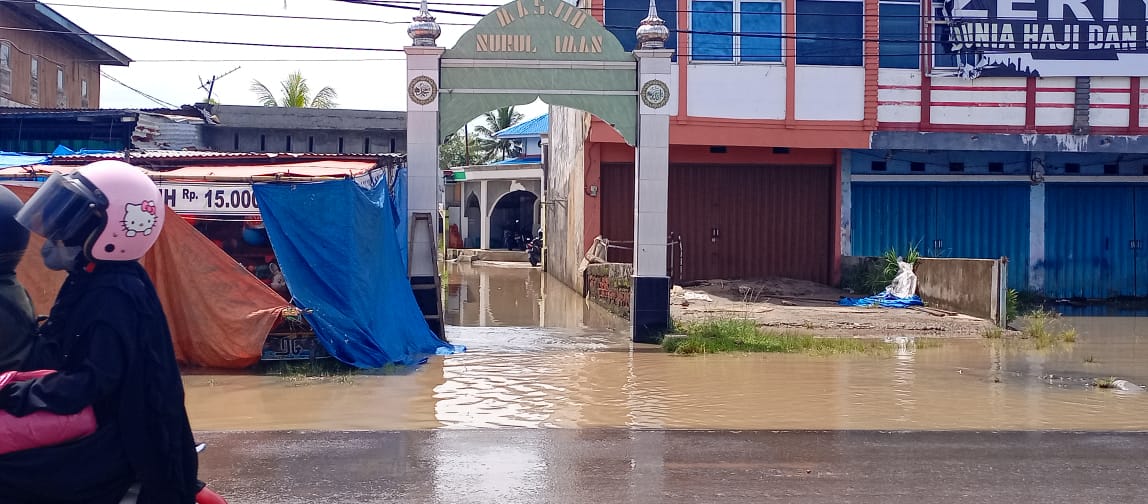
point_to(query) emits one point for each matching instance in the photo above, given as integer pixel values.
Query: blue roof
(518, 161)
(535, 127)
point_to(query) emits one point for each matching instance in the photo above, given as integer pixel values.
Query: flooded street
(538, 356)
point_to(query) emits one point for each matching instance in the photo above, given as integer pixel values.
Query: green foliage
(876, 278)
(1012, 306)
(453, 152)
(295, 94)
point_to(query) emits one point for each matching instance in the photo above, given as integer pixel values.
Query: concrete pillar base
(649, 309)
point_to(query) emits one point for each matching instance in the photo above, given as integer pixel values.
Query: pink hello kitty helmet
(109, 207)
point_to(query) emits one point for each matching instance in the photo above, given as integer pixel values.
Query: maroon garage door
(735, 221)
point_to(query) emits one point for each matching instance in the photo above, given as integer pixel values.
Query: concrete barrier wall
(970, 286)
(608, 285)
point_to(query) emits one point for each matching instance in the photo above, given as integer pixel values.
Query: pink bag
(41, 428)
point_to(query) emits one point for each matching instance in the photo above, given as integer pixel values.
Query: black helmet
(13, 236)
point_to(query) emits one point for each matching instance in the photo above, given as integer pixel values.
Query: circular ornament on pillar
(422, 90)
(655, 94)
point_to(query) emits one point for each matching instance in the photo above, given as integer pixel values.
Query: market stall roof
(161, 156)
(314, 169)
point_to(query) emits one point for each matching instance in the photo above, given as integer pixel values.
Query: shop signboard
(1047, 38)
(210, 198)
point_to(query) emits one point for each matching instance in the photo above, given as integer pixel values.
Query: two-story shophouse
(806, 130)
(47, 61)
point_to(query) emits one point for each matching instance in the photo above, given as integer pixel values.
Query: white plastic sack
(905, 283)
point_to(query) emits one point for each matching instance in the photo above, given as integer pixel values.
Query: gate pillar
(650, 291)
(423, 174)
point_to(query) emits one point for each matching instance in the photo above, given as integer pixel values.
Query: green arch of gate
(544, 49)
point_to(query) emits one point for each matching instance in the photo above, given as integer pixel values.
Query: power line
(218, 42)
(263, 60)
(141, 93)
(396, 5)
(214, 13)
(410, 5)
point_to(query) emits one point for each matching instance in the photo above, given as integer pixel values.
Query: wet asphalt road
(615, 465)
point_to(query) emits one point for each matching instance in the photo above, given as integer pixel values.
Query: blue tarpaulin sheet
(8, 159)
(400, 207)
(62, 150)
(336, 245)
(885, 300)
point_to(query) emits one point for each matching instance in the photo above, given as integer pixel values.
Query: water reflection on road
(540, 357)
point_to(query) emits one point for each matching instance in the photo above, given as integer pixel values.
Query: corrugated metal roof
(177, 155)
(40, 113)
(332, 168)
(535, 127)
(159, 131)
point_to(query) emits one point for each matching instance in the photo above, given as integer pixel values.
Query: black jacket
(17, 322)
(108, 337)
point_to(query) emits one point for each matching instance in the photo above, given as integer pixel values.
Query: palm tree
(498, 120)
(296, 94)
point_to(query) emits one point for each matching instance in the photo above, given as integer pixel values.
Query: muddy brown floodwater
(538, 356)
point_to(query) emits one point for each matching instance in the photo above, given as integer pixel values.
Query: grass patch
(310, 369)
(993, 333)
(924, 343)
(1045, 330)
(717, 336)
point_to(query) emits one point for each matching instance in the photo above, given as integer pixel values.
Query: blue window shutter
(717, 19)
(900, 32)
(761, 18)
(622, 18)
(829, 33)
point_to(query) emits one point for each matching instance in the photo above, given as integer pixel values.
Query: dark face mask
(60, 257)
(9, 261)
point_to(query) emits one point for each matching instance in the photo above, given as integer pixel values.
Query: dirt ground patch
(788, 304)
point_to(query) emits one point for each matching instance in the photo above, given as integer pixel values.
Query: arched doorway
(473, 214)
(512, 216)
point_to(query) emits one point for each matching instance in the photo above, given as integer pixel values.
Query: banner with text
(1047, 37)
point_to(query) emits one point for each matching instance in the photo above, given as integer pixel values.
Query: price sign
(210, 199)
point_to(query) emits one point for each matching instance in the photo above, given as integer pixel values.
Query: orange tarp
(219, 314)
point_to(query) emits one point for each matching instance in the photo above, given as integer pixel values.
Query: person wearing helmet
(108, 339)
(17, 320)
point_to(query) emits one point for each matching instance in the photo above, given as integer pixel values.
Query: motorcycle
(205, 495)
(534, 251)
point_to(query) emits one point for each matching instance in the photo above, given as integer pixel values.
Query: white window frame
(736, 59)
(930, 20)
(61, 88)
(34, 82)
(5, 68)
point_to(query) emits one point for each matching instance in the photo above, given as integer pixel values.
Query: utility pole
(466, 141)
(209, 86)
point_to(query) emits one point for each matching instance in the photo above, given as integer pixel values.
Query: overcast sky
(374, 82)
